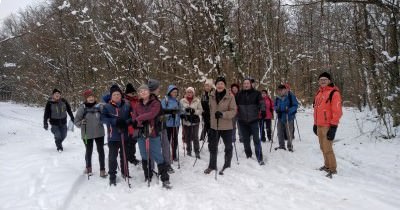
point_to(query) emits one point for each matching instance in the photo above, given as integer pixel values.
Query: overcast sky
(12, 6)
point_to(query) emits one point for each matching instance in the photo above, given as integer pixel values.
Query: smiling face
(116, 96)
(189, 94)
(144, 94)
(220, 86)
(247, 85)
(90, 99)
(234, 90)
(323, 81)
(56, 96)
(174, 93)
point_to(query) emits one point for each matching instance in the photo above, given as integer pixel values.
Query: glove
(315, 129)
(263, 114)
(121, 124)
(189, 110)
(134, 124)
(83, 122)
(332, 132)
(46, 126)
(170, 111)
(183, 117)
(218, 114)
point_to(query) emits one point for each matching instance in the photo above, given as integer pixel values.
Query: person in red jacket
(327, 113)
(266, 122)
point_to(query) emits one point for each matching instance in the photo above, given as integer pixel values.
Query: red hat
(87, 93)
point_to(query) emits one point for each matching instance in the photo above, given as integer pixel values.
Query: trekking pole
(297, 125)
(85, 139)
(126, 174)
(173, 140)
(273, 132)
(234, 145)
(147, 145)
(289, 131)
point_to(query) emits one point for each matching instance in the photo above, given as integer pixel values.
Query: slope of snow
(34, 176)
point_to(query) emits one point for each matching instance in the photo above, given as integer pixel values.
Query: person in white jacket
(191, 109)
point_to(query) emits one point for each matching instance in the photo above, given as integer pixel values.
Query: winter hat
(129, 88)
(56, 91)
(325, 74)
(153, 84)
(115, 88)
(250, 79)
(220, 79)
(281, 87)
(143, 87)
(87, 93)
(235, 85)
(190, 89)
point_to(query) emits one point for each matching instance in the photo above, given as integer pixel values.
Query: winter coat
(149, 114)
(249, 103)
(133, 101)
(91, 113)
(109, 115)
(57, 111)
(269, 108)
(196, 105)
(227, 106)
(170, 103)
(326, 112)
(286, 105)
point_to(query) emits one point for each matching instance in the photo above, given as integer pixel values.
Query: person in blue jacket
(171, 109)
(116, 115)
(286, 108)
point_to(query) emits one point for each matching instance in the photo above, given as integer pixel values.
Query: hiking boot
(166, 185)
(113, 181)
(330, 174)
(103, 174)
(324, 168)
(198, 155)
(208, 170)
(88, 170)
(261, 162)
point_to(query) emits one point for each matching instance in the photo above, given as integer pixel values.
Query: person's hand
(218, 114)
(332, 132)
(183, 117)
(83, 122)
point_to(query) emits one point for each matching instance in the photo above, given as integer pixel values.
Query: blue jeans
(60, 133)
(154, 149)
(247, 130)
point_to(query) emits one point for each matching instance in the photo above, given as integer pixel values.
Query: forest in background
(78, 44)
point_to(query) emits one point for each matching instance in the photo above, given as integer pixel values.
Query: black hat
(153, 84)
(250, 79)
(129, 88)
(325, 74)
(220, 79)
(56, 91)
(280, 87)
(115, 88)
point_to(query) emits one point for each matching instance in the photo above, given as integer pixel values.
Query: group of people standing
(139, 116)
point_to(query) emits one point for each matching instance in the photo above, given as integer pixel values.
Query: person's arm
(47, 114)
(107, 118)
(79, 116)
(199, 109)
(295, 105)
(71, 115)
(336, 107)
(154, 111)
(231, 112)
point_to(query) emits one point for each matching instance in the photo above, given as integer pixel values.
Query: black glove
(134, 124)
(263, 114)
(189, 110)
(183, 117)
(314, 128)
(121, 124)
(170, 111)
(218, 114)
(46, 126)
(332, 132)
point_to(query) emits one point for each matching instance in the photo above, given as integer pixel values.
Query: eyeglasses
(323, 79)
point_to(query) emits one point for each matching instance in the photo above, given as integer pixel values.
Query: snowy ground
(34, 176)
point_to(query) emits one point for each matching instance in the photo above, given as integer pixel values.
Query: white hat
(190, 89)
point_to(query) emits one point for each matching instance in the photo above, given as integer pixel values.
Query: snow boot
(324, 168)
(113, 181)
(103, 174)
(167, 185)
(208, 170)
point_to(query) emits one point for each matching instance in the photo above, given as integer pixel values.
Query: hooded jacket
(286, 105)
(109, 115)
(171, 103)
(327, 112)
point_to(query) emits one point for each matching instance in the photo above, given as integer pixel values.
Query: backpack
(329, 99)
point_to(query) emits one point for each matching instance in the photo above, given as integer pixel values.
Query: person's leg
(88, 154)
(165, 147)
(261, 124)
(63, 131)
(188, 139)
(195, 137)
(327, 147)
(227, 138)
(113, 147)
(56, 130)
(245, 130)
(100, 151)
(256, 140)
(281, 134)
(268, 127)
(290, 128)
(213, 148)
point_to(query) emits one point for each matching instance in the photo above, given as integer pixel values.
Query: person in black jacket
(208, 87)
(250, 104)
(56, 111)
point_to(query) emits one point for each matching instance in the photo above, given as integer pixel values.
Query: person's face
(246, 85)
(157, 91)
(207, 87)
(91, 99)
(56, 96)
(234, 90)
(174, 93)
(116, 96)
(220, 86)
(282, 92)
(144, 94)
(189, 94)
(264, 94)
(323, 81)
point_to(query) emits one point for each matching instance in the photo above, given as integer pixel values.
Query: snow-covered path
(34, 176)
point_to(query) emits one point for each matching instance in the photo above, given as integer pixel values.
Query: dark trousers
(113, 148)
(213, 140)
(60, 133)
(172, 133)
(131, 148)
(283, 130)
(192, 135)
(248, 130)
(89, 150)
(265, 124)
